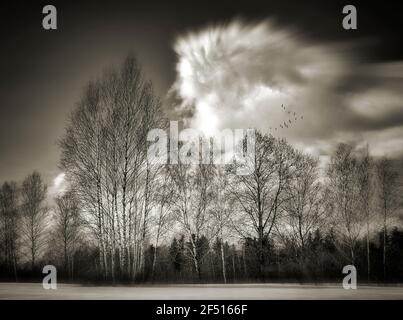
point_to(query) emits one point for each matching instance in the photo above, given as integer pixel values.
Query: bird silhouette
(292, 117)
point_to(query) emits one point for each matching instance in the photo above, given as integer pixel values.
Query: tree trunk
(233, 265)
(65, 259)
(245, 270)
(352, 254)
(261, 255)
(368, 256)
(223, 262)
(154, 263)
(384, 251)
(154, 257)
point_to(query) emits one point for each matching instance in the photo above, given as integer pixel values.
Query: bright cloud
(59, 185)
(238, 75)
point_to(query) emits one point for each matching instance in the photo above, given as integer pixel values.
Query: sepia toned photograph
(197, 150)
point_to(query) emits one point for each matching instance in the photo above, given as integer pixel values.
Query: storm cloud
(240, 75)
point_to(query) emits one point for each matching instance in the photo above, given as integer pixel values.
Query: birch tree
(104, 155)
(33, 193)
(365, 198)
(163, 219)
(68, 228)
(261, 195)
(387, 193)
(344, 196)
(305, 209)
(9, 224)
(192, 200)
(221, 211)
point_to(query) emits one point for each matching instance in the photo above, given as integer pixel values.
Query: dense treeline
(125, 218)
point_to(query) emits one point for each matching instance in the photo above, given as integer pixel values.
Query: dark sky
(43, 72)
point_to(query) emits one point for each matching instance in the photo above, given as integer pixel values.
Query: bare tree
(33, 193)
(365, 197)
(193, 186)
(261, 195)
(343, 197)
(104, 155)
(305, 209)
(9, 221)
(163, 218)
(68, 228)
(221, 211)
(387, 191)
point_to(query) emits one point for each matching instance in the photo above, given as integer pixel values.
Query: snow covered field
(203, 292)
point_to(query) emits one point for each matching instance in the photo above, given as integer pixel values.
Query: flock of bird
(292, 118)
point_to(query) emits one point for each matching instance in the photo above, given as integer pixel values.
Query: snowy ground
(203, 292)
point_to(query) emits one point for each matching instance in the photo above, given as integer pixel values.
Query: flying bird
(294, 117)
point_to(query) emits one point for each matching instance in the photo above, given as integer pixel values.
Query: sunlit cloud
(238, 75)
(59, 185)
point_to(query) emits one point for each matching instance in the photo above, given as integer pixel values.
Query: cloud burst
(237, 75)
